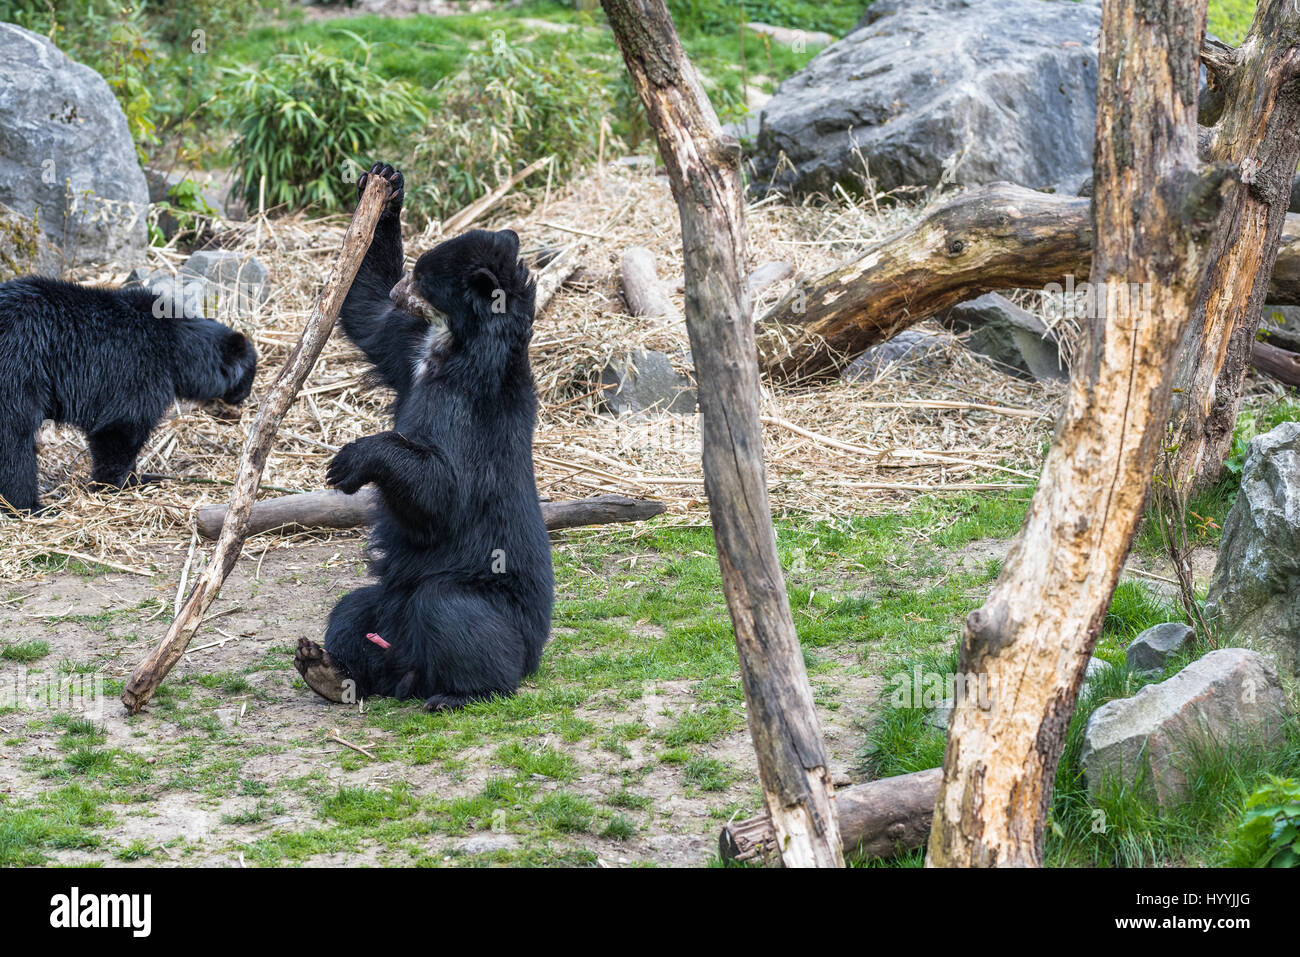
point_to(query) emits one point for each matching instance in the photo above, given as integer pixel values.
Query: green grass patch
(25, 651)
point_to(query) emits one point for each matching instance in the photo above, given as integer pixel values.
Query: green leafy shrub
(186, 204)
(1269, 832)
(712, 16)
(127, 72)
(309, 122)
(1253, 423)
(504, 109)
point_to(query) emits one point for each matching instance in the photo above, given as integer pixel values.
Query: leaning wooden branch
(704, 169)
(996, 237)
(877, 819)
(150, 672)
(333, 509)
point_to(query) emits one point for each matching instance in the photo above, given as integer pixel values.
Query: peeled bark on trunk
(1258, 133)
(704, 168)
(1024, 652)
(149, 673)
(877, 819)
(330, 508)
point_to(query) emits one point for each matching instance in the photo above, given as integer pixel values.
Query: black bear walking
(462, 607)
(106, 361)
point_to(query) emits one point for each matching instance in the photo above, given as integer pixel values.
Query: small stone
(909, 347)
(1012, 339)
(942, 713)
(240, 282)
(177, 297)
(647, 382)
(1151, 650)
(488, 843)
(1094, 668)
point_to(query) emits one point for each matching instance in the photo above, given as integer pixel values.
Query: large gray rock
(1229, 698)
(986, 89)
(1254, 596)
(66, 153)
(1295, 195)
(1151, 650)
(1014, 340)
(646, 381)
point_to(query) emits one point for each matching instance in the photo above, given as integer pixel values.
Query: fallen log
(877, 819)
(996, 237)
(646, 294)
(1281, 365)
(330, 508)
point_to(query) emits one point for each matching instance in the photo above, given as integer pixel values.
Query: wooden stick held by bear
(149, 673)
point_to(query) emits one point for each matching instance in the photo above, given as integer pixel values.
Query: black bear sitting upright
(103, 360)
(462, 607)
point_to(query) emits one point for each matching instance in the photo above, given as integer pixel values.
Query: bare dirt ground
(236, 752)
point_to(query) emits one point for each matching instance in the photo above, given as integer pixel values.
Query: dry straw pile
(833, 449)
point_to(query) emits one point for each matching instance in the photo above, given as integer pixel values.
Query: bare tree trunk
(1023, 654)
(704, 168)
(149, 673)
(1258, 133)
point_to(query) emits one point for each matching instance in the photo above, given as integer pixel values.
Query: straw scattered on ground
(947, 422)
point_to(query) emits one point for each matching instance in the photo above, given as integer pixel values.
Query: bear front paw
(348, 471)
(396, 186)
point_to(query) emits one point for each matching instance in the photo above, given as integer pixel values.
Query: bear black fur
(462, 606)
(98, 358)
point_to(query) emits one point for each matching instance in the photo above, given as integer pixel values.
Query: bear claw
(396, 184)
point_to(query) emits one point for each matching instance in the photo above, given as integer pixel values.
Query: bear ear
(234, 346)
(483, 282)
(512, 239)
